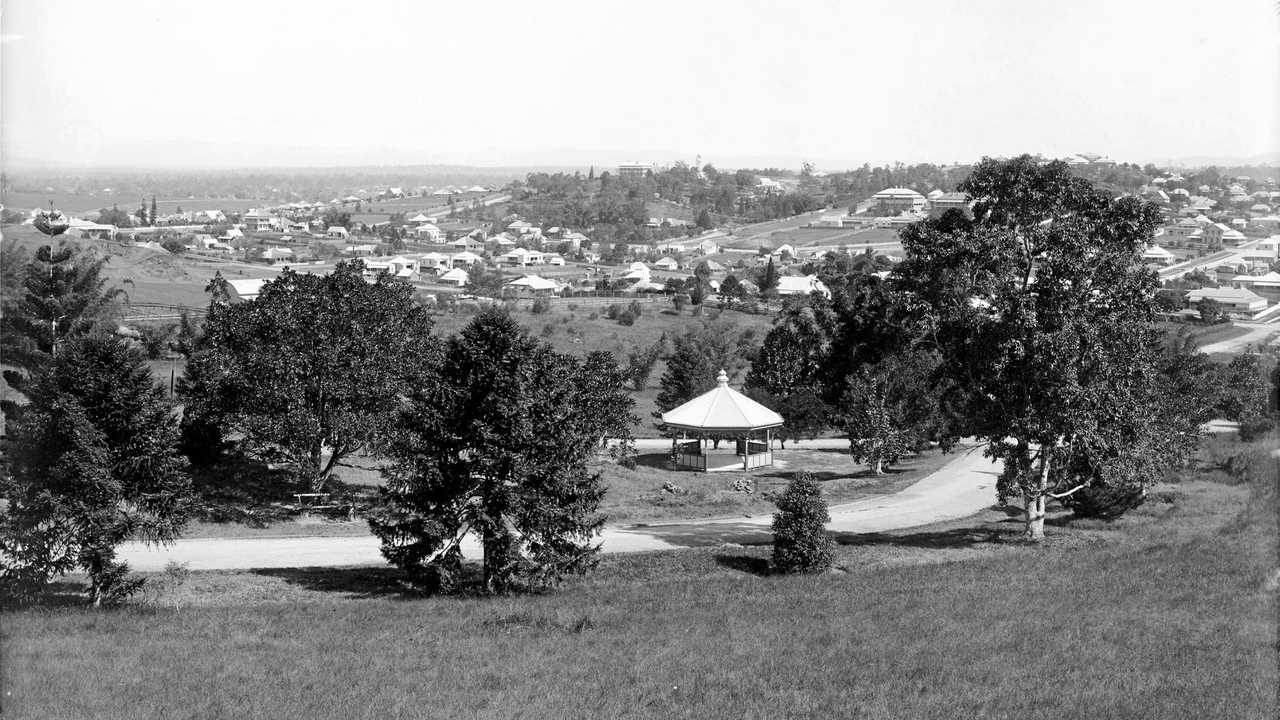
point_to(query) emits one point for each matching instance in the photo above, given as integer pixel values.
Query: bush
(626, 318)
(1106, 502)
(594, 315)
(1252, 428)
(540, 306)
(800, 540)
(155, 339)
(635, 309)
(612, 311)
(548, 330)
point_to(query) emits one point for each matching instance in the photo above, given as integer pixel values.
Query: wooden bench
(308, 502)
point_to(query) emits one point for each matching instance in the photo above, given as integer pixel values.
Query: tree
(496, 442)
(731, 287)
(703, 220)
(640, 364)
(769, 280)
(696, 359)
(62, 295)
(786, 373)
(311, 369)
(1043, 310)
(800, 540)
(153, 210)
(92, 463)
(1211, 312)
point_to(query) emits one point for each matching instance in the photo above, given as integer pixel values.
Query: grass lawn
(637, 495)
(1169, 612)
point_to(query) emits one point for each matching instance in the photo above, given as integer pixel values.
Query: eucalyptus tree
(1043, 311)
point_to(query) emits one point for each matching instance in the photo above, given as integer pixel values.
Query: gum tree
(1043, 310)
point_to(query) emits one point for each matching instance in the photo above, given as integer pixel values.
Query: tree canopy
(496, 442)
(1043, 310)
(92, 462)
(310, 370)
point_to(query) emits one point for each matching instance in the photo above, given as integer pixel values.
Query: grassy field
(1169, 612)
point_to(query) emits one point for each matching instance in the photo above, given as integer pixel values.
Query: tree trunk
(877, 466)
(1034, 500)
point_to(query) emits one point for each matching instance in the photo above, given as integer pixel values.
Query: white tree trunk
(1034, 501)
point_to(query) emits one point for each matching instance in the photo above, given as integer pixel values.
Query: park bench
(320, 502)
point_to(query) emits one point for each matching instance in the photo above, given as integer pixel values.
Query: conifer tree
(92, 462)
(800, 540)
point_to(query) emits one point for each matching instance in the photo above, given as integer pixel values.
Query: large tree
(787, 372)
(92, 462)
(312, 368)
(1043, 309)
(496, 443)
(697, 357)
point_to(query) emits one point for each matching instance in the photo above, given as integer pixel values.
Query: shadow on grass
(745, 563)
(955, 538)
(362, 583)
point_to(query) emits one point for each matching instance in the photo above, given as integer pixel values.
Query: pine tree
(92, 463)
(770, 279)
(153, 209)
(800, 540)
(496, 441)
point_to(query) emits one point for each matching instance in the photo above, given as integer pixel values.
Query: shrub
(548, 330)
(594, 315)
(626, 318)
(635, 309)
(800, 540)
(612, 311)
(1106, 502)
(1252, 428)
(540, 306)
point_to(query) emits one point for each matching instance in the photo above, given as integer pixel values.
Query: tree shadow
(355, 583)
(955, 538)
(241, 490)
(749, 564)
(661, 461)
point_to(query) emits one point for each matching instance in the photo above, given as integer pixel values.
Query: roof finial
(723, 378)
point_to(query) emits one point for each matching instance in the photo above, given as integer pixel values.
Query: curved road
(960, 488)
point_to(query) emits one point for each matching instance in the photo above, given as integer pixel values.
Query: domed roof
(722, 409)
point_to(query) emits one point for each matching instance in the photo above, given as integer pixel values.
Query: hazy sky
(330, 82)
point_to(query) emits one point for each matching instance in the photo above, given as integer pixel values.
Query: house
(359, 250)
(1219, 235)
(277, 253)
(469, 243)
(245, 289)
(1158, 255)
(232, 234)
(1236, 302)
(667, 263)
(398, 266)
(784, 251)
(637, 271)
(899, 200)
(532, 285)
(802, 285)
(427, 231)
(433, 260)
(1182, 229)
(259, 221)
(420, 218)
(517, 257)
(298, 227)
(1270, 280)
(465, 257)
(948, 201)
(337, 232)
(456, 276)
(554, 259)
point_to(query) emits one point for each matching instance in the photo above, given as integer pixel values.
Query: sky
(741, 83)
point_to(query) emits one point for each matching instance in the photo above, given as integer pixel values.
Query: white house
(802, 285)
(1158, 255)
(465, 258)
(1238, 302)
(667, 263)
(246, 288)
(456, 276)
(428, 231)
(533, 285)
(277, 253)
(337, 232)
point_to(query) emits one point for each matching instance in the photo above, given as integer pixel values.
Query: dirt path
(960, 488)
(1258, 334)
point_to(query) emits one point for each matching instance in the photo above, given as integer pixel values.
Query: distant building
(634, 170)
(947, 201)
(337, 232)
(802, 285)
(900, 199)
(1237, 302)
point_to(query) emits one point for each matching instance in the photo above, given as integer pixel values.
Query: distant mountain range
(1271, 158)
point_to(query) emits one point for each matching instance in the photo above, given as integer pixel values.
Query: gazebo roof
(722, 409)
